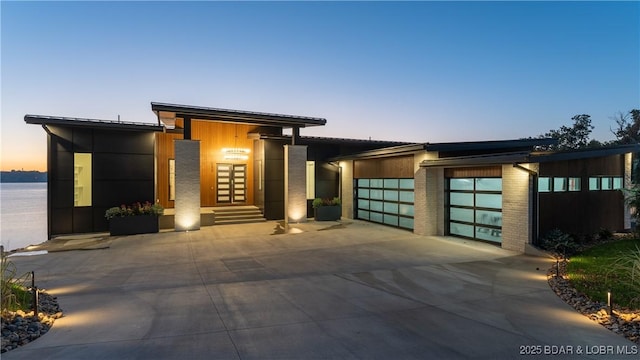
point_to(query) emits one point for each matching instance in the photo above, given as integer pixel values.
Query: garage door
(385, 201)
(475, 208)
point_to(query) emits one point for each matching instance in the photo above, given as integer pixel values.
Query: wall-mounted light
(236, 153)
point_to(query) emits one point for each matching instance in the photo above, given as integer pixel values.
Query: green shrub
(14, 294)
(134, 209)
(561, 243)
(605, 234)
(625, 270)
(317, 202)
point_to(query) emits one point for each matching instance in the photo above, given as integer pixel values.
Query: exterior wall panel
(582, 212)
(516, 208)
(396, 167)
(122, 172)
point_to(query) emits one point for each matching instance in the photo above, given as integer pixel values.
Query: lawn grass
(597, 270)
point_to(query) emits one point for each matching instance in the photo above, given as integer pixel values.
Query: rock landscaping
(20, 328)
(625, 322)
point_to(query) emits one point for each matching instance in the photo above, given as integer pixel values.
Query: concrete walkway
(350, 290)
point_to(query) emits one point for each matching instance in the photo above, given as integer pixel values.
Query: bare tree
(628, 127)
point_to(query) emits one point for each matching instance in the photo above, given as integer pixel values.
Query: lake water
(23, 214)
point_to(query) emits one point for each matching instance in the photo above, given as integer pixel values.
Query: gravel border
(622, 321)
(20, 328)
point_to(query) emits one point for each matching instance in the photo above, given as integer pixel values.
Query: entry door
(231, 183)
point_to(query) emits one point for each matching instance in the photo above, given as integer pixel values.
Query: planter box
(131, 225)
(328, 213)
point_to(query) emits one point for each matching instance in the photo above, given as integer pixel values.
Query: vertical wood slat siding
(485, 171)
(584, 211)
(213, 137)
(395, 167)
(164, 152)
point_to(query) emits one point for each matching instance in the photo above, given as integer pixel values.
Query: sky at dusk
(407, 71)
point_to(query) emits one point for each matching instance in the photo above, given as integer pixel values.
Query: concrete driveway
(351, 290)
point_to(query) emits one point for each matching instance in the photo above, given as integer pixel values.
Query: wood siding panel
(213, 137)
(582, 212)
(389, 168)
(609, 165)
(491, 171)
(164, 152)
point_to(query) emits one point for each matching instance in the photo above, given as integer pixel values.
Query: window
(544, 184)
(81, 179)
(311, 180)
(606, 183)
(617, 183)
(172, 179)
(574, 184)
(559, 184)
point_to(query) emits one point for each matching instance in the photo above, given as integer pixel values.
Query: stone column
(347, 180)
(295, 183)
(187, 203)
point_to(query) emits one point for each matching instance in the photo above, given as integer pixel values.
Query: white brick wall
(517, 211)
(420, 211)
(187, 204)
(628, 159)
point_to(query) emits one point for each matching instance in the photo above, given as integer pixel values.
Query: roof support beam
(295, 135)
(187, 128)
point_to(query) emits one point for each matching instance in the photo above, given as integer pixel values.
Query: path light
(557, 268)
(34, 289)
(609, 302)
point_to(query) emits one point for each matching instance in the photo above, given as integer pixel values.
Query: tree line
(577, 136)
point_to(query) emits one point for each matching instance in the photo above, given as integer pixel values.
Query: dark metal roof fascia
(493, 144)
(334, 140)
(493, 159)
(92, 123)
(383, 152)
(205, 113)
(585, 153)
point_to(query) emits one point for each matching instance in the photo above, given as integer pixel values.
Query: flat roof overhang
(524, 157)
(514, 145)
(408, 149)
(585, 153)
(169, 112)
(479, 160)
(45, 120)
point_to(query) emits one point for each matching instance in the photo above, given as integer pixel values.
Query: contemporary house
(195, 159)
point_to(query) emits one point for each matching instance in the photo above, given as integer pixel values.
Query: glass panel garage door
(385, 201)
(475, 208)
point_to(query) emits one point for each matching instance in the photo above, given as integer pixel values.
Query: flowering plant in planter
(134, 209)
(318, 202)
(137, 218)
(326, 209)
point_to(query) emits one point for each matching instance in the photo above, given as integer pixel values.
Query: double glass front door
(231, 183)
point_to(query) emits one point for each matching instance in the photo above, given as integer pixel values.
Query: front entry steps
(220, 215)
(237, 215)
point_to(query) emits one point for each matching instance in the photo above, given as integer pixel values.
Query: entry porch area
(218, 215)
